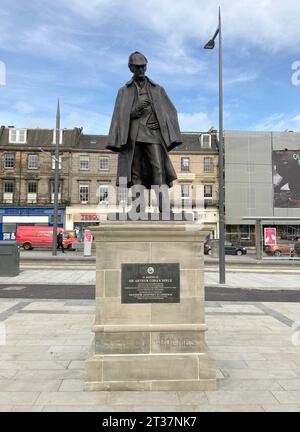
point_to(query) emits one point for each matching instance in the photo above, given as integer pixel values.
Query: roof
(40, 137)
(73, 138)
(191, 142)
(96, 142)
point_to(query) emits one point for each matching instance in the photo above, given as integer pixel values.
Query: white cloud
(92, 122)
(242, 77)
(296, 118)
(24, 107)
(269, 24)
(278, 122)
(198, 121)
(274, 122)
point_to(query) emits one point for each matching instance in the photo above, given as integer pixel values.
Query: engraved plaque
(150, 283)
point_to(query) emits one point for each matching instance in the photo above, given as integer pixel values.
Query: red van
(31, 237)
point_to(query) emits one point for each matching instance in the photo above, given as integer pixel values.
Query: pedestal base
(180, 372)
(149, 346)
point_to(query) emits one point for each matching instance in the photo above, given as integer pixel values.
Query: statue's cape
(164, 109)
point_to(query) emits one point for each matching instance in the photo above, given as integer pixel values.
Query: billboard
(286, 178)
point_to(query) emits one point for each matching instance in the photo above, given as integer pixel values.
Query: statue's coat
(122, 133)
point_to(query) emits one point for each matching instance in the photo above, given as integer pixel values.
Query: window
(208, 164)
(206, 141)
(53, 162)
(8, 196)
(185, 164)
(32, 161)
(84, 163)
(207, 191)
(60, 136)
(123, 195)
(31, 192)
(17, 135)
(185, 191)
(207, 194)
(245, 232)
(83, 193)
(52, 192)
(103, 193)
(9, 160)
(104, 162)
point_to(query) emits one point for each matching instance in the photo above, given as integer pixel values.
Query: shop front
(14, 216)
(80, 218)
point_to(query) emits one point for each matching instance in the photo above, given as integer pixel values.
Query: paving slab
(43, 367)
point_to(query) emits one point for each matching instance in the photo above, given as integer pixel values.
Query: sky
(77, 51)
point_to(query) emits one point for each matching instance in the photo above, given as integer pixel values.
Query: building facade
(27, 177)
(93, 177)
(196, 165)
(87, 178)
(94, 171)
(262, 179)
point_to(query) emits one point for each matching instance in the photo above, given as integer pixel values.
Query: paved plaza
(266, 279)
(256, 346)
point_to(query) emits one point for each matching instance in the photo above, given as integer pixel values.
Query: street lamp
(56, 181)
(210, 45)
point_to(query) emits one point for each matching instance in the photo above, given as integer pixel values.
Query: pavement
(256, 347)
(256, 344)
(235, 278)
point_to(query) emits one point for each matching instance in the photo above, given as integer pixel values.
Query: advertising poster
(88, 239)
(270, 236)
(286, 178)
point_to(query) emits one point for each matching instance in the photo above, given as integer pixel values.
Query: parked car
(31, 237)
(230, 248)
(278, 250)
(297, 247)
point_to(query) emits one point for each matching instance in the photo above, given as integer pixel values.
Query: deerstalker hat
(137, 59)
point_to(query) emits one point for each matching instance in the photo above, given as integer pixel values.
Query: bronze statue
(144, 128)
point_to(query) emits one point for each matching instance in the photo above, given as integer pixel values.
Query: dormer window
(206, 141)
(60, 136)
(17, 136)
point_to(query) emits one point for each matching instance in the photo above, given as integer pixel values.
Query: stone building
(27, 176)
(196, 165)
(87, 178)
(93, 176)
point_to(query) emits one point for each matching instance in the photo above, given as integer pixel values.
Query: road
(39, 291)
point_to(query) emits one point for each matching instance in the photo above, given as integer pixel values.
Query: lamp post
(56, 182)
(210, 45)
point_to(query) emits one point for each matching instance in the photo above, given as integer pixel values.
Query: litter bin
(9, 258)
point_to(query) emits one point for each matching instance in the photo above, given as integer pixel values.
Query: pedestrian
(60, 242)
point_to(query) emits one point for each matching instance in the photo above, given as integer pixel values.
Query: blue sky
(78, 50)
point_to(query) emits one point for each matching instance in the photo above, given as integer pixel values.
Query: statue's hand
(142, 106)
(153, 124)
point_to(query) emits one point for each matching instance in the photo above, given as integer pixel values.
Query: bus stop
(260, 222)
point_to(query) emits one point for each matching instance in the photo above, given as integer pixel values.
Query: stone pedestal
(149, 346)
